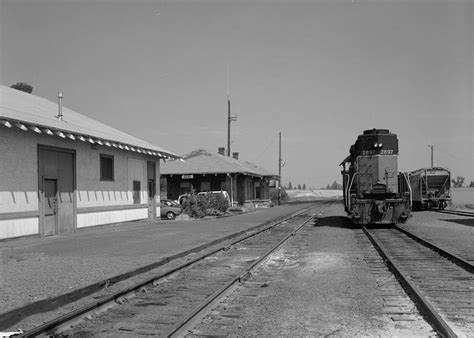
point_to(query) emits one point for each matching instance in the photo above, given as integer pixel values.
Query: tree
(458, 182)
(304, 186)
(290, 186)
(472, 184)
(299, 186)
(336, 186)
(23, 86)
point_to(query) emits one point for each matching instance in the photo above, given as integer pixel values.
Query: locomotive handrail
(347, 180)
(349, 190)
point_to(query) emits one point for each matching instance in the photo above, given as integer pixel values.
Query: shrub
(193, 206)
(218, 202)
(274, 195)
(198, 206)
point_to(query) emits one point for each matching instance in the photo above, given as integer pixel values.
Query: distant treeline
(333, 186)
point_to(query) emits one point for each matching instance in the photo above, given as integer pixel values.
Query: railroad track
(441, 284)
(456, 212)
(105, 290)
(178, 291)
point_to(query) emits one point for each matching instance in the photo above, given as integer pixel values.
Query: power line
(272, 141)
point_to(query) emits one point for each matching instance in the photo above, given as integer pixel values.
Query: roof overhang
(221, 173)
(82, 137)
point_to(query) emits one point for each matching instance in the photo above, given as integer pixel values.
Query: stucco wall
(19, 227)
(18, 171)
(19, 181)
(107, 217)
(92, 192)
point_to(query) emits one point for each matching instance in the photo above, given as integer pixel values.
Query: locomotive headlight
(376, 145)
(380, 145)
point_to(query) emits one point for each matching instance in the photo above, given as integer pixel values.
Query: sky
(320, 72)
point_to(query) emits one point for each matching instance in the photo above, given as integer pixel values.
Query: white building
(62, 173)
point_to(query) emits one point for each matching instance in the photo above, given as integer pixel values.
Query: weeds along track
(154, 306)
(441, 284)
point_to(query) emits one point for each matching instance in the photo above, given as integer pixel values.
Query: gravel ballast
(33, 269)
(318, 284)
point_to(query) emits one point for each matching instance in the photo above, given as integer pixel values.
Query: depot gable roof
(202, 161)
(30, 112)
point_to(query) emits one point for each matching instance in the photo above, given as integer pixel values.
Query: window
(136, 192)
(258, 194)
(184, 187)
(106, 167)
(205, 186)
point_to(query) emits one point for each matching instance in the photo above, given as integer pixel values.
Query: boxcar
(430, 188)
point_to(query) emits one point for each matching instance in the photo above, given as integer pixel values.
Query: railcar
(374, 191)
(430, 188)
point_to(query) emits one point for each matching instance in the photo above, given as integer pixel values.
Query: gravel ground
(319, 284)
(33, 269)
(451, 232)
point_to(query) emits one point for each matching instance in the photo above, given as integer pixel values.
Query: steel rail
(63, 321)
(182, 324)
(456, 212)
(421, 302)
(13, 316)
(452, 257)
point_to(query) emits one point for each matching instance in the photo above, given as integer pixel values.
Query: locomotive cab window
(106, 167)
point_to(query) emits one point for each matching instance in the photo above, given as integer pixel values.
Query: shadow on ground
(336, 222)
(469, 222)
(345, 222)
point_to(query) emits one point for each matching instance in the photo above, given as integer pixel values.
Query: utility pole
(228, 126)
(229, 117)
(431, 146)
(279, 168)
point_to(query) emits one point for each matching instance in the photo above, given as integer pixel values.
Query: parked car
(170, 209)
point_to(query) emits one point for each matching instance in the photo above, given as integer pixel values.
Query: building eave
(65, 133)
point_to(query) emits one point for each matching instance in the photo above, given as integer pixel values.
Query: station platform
(33, 269)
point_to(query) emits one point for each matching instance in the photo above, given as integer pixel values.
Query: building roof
(202, 161)
(30, 112)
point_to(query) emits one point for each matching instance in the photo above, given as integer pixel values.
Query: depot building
(247, 184)
(61, 171)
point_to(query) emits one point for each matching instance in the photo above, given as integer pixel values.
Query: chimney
(60, 106)
(221, 150)
(235, 155)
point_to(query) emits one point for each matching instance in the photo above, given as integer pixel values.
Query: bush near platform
(274, 195)
(198, 206)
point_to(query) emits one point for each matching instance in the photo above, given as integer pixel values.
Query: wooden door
(50, 206)
(151, 190)
(57, 185)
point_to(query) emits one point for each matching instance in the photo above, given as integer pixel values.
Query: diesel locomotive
(374, 191)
